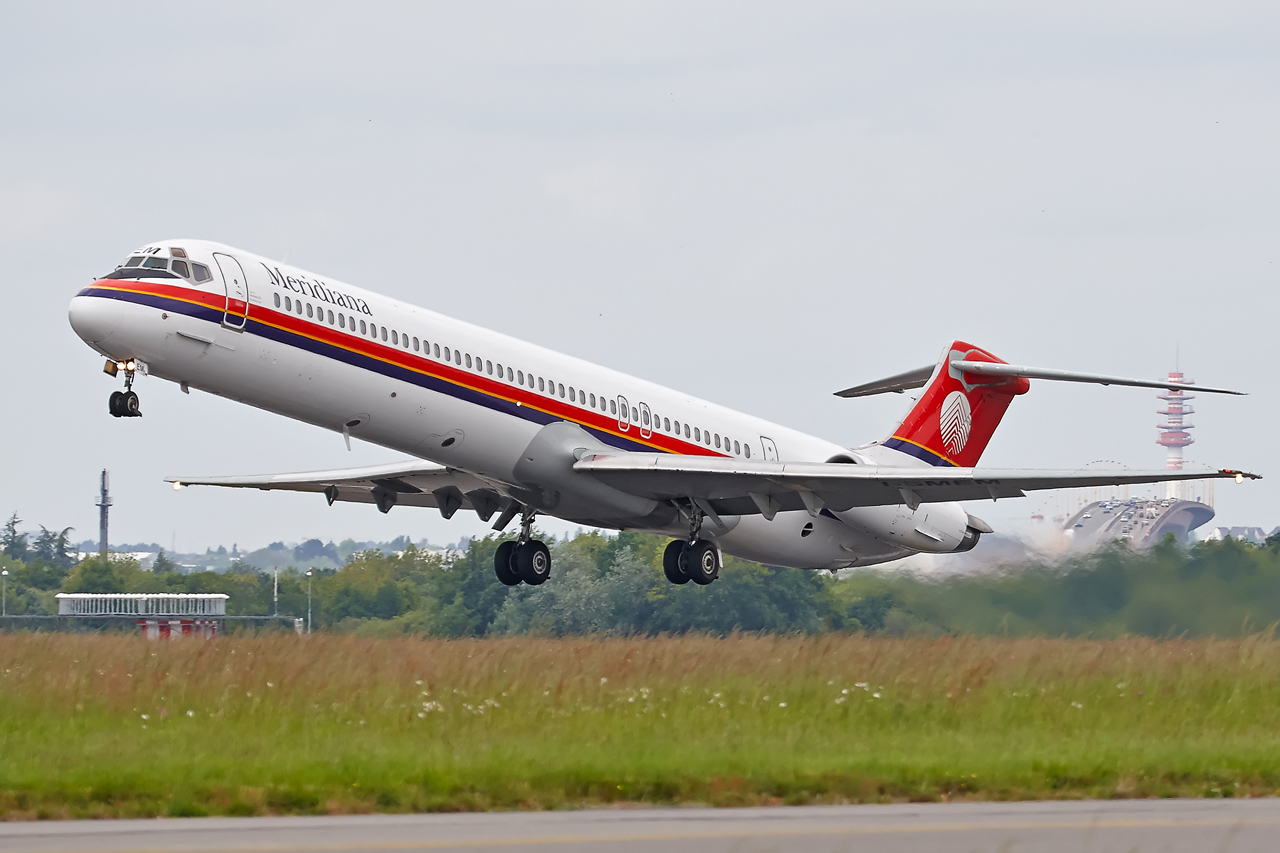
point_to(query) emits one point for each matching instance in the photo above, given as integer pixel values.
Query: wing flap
(413, 482)
(730, 483)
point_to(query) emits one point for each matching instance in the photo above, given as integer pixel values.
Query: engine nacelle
(940, 528)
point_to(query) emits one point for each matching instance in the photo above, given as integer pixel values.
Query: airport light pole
(4, 595)
(308, 601)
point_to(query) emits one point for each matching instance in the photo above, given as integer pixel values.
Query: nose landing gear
(124, 404)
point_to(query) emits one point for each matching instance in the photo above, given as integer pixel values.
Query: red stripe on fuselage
(388, 354)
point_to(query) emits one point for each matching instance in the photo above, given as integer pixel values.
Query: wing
(411, 483)
(739, 487)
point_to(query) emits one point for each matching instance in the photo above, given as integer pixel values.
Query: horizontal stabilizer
(917, 379)
(896, 384)
(983, 368)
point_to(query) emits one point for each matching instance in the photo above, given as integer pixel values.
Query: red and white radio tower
(1173, 432)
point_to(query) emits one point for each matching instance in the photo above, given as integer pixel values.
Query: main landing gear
(124, 404)
(696, 560)
(526, 559)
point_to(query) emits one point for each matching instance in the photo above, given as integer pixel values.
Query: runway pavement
(1093, 826)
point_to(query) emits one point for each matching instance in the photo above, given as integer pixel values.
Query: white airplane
(507, 428)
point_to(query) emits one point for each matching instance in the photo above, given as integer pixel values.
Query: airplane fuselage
(398, 375)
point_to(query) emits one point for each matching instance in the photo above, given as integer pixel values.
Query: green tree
(13, 542)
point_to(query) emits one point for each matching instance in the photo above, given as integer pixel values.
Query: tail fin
(958, 412)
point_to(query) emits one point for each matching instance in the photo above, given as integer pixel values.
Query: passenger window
(351, 322)
(561, 392)
(384, 332)
(677, 427)
(468, 359)
(746, 450)
(686, 430)
(395, 339)
(542, 385)
(635, 416)
(201, 272)
(737, 449)
(310, 311)
(156, 263)
(519, 377)
(448, 356)
(330, 313)
(697, 434)
(133, 262)
(666, 425)
(404, 341)
(180, 267)
(288, 304)
(277, 297)
(613, 407)
(488, 368)
(573, 398)
(706, 438)
(717, 441)
(511, 377)
(499, 370)
(436, 348)
(363, 330)
(644, 418)
(342, 321)
(415, 343)
(457, 357)
(479, 365)
(593, 401)
(297, 306)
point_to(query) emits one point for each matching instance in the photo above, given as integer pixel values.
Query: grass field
(114, 725)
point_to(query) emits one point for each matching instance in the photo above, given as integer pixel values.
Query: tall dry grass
(113, 725)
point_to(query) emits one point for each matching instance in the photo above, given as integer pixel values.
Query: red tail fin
(957, 413)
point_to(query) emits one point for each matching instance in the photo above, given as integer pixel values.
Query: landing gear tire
(502, 564)
(533, 562)
(672, 559)
(124, 404)
(701, 561)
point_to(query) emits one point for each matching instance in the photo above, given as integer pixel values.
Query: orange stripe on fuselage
(408, 361)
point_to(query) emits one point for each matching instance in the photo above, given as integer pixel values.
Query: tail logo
(954, 421)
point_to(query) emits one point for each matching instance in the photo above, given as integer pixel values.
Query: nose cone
(94, 319)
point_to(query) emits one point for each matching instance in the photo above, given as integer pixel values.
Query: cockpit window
(133, 262)
(180, 267)
(202, 273)
(177, 253)
(156, 263)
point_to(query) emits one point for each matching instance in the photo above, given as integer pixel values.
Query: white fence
(142, 604)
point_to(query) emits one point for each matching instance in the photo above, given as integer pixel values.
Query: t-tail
(954, 419)
(966, 394)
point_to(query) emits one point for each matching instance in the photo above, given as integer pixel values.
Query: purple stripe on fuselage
(368, 362)
(918, 452)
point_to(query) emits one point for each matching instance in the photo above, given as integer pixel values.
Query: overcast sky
(757, 204)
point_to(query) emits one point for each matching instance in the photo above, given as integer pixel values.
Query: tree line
(614, 585)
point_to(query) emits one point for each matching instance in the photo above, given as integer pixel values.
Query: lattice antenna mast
(104, 507)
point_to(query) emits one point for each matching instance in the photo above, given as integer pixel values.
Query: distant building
(1256, 535)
